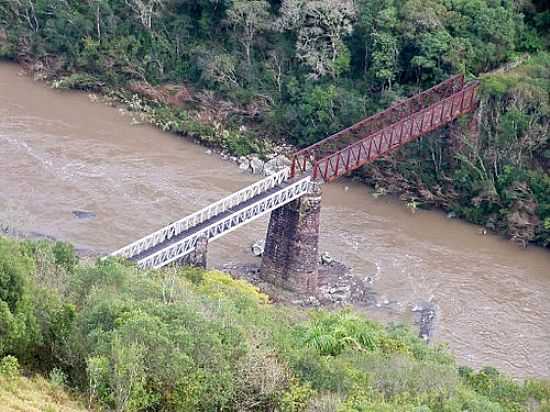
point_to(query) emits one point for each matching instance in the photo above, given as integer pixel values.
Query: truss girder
(304, 160)
(221, 226)
(391, 138)
(215, 209)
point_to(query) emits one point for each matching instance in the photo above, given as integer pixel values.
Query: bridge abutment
(291, 254)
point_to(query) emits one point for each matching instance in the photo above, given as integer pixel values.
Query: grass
(36, 394)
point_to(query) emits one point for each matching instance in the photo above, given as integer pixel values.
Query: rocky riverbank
(338, 286)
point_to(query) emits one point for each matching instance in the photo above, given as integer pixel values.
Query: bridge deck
(210, 222)
(168, 244)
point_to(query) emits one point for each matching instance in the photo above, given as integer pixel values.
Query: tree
(378, 21)
(250, 18)
(220, 69)
(384, 57)
(26, 11)
(14, 271)
(321, 27)
(145, 10)
(18, 328)
(128, 376)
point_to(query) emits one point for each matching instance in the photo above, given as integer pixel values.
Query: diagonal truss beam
(196, 219)
(304, 159)
(220, 225)
(396, 135)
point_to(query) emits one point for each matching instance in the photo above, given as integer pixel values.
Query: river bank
(62, 152)
(505, 205)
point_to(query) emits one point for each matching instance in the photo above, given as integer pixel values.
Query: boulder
(244, 163)
(257, 248)
(426, 317)
(276, 164)
(83, 214)
(326, 259)
(341, 290)
(313, 301)
(340, 294)
(257, 165)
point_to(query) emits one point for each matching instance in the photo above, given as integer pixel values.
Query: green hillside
(190, 340)
(36, 394)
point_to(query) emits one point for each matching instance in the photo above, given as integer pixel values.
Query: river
(61, 152)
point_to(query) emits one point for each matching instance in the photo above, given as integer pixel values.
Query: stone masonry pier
(291, 255)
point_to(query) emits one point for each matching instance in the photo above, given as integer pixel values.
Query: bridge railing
(399, 133)
(305, 158)
(215, 209)
(227, 224)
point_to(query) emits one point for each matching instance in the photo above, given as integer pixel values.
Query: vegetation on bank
(191, 340)
(34, 394)
(298, 70)
(497, 177)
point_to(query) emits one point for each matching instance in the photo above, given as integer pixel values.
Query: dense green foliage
(299, 70)
(498, 178)
(189, 340)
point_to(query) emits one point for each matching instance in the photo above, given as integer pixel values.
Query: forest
(243, 74)
(105, 336)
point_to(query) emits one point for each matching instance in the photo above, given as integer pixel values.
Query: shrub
(57, 378)
(78, 81)
(9, 366)
(15, 268)
(297, 398)
(218, 285)
(18, 328)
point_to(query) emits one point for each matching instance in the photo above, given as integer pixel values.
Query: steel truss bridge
(325, 161)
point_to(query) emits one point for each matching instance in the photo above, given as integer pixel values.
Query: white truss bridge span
(180, 238)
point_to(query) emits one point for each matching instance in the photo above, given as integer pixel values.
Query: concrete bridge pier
(291, 254)
(198, 257)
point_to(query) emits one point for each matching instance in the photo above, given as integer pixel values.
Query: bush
(57, 378)
(9, 366)
(78, 81)
(18, 327)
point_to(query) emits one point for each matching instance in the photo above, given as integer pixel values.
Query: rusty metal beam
(304, 159)
(396, 135)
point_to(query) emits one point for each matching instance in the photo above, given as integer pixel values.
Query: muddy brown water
(60, 152)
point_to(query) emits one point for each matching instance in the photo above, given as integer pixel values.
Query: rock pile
(257, 166)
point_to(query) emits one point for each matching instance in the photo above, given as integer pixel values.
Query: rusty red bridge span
(386, 131)
(293, 195)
